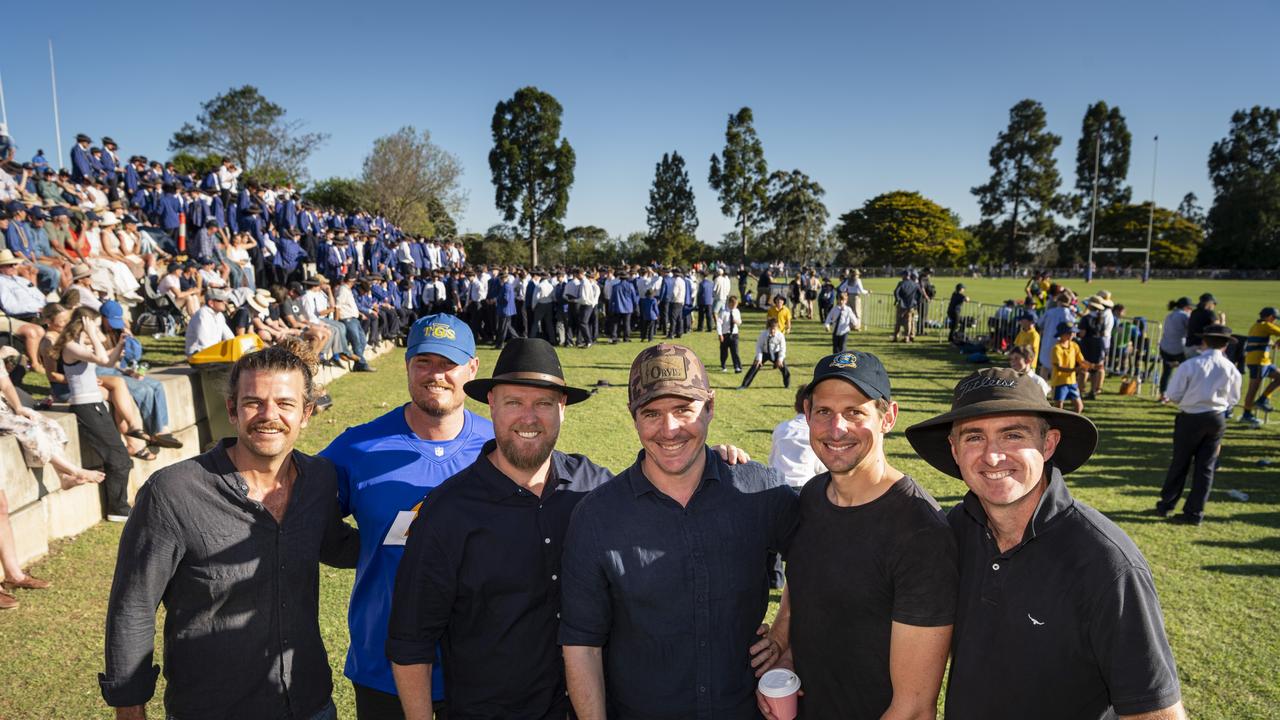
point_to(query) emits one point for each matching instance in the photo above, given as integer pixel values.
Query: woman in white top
(109, 272)
(80, 349)
(238, 253)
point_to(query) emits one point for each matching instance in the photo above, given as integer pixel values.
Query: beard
(437, 405)
(524, 454)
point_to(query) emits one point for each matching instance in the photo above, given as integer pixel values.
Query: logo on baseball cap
(664, 370)
(443, 335)
(862, 369)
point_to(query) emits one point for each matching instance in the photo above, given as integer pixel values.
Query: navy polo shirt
(481, 575)
(1066, 624)
(674, 594)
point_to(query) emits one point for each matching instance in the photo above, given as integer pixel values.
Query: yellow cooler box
(214, 364)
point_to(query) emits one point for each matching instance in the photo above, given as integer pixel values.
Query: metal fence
(1133, 351)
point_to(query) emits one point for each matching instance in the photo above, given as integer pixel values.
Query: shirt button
(702, 598)
(555, 577)
(557, 616)
(702, 689)
(995, 566)
(546, 541)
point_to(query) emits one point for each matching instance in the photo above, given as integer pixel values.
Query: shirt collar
(641, 485)
(1054, 503)
(499, 487)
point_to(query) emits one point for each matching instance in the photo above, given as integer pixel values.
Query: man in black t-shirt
(1057, 617)
(871, 573)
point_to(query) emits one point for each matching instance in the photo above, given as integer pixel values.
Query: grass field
(1219, 584)
(1239, 299)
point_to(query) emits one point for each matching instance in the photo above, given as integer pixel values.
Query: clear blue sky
(864, 97)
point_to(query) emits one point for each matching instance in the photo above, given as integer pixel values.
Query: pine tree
(673, 219)
(740, 175)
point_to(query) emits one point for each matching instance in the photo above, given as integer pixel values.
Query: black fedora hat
(997, 391)
(526, 361)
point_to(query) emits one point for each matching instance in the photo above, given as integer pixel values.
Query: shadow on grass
(1246, 570)
(1271, 544)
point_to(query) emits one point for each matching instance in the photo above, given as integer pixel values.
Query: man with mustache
(385, 468)
(665, 568)
(239, 576)
(871, 582)
(481, 571)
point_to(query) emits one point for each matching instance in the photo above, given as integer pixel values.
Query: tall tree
(1106, 129)
(673, 219)
(1244, 220)
(532, 165)
(413, 182)
(342, 194)
(796, 215)
(1019, 200)
(251, 130)
(740, 175)
(1104, 143)
(1190, 209)
(901, 228)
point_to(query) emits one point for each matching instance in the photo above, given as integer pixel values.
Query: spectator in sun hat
(1057, 616)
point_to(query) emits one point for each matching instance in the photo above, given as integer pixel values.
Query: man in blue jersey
(385, 469)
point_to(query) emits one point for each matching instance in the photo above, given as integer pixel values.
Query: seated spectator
(113, 246)
(147, 393)
(48, 277)
(83, 291)
(255, 316)
(21, 302)
(185, 294)
(208, 325)
(112, 273)
(293, 315)
(7, 147)
(42, 440)
(239, 262)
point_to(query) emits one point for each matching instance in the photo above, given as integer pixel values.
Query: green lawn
(1219, 584)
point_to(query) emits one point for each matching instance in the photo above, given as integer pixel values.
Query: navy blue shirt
(674, 594)
(481, 575)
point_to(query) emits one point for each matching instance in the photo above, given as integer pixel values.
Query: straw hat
(8, 258)
(261, 300)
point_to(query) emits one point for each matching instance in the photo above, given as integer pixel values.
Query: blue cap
(113, 313)
(443, 335)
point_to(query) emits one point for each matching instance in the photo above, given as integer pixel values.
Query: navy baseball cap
(113, 313)
(862, 369)
(443, 335)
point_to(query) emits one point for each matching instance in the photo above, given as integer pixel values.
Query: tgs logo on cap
(845, 360)
(439, 331)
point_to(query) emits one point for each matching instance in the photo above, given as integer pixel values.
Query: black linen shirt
(241, 593)
(674, 594)
(1066, 624)
(481, 575)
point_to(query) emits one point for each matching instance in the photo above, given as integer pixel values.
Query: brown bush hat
(666, 370)
(997, 391)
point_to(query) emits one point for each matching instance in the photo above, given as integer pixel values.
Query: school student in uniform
(771, 346)
(728, 320)
(648, 315)
(840, 321)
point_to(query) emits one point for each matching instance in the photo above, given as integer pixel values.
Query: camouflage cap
(664, 370)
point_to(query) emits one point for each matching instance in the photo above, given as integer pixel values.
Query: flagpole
(4, 113)
(1151, 219)
(57, 122)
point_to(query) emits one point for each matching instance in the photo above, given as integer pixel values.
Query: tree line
(1026, 214)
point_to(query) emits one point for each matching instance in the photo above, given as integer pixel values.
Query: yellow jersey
(784, 317)
(1066, 359)
(1257, 347)
(1030, 337)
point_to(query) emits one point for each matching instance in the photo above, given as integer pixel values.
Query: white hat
(109, 218)
(8, 258)
(261, 300)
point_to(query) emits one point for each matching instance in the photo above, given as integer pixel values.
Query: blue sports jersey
(384, 472)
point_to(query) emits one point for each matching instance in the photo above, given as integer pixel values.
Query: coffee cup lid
(779, 682)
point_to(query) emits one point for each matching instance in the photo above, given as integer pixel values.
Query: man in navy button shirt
(665, 567)
(1057, 616)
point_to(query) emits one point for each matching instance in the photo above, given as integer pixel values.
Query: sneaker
(119, 516)
(724, 369)
(1265, 404)
(1185, 519)
(1161, 511)
(1250, 419)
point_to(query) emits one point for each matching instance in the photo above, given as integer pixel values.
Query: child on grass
(1067, 360)
(727, 324)
(648, 316)
(840, 321)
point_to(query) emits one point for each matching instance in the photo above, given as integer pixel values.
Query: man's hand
(767, 653)
(133, 712)
(731, 454)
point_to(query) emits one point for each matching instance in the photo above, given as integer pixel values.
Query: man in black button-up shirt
(665, 572)
(481, 569)
(230, 541)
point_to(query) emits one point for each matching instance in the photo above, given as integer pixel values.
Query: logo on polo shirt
(1033, 620)
(845, 360)
(398, 534)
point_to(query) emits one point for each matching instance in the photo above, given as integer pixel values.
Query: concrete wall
(41, 511)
